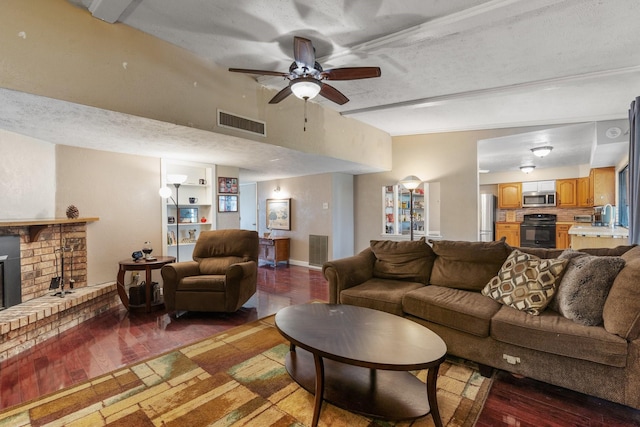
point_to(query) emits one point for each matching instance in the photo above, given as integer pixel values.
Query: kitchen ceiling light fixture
(305, 87)
(542, 151)
(527, 169)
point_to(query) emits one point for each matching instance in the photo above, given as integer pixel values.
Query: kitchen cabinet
(602, 186)
(510, 195)
(274, 249)
(584, 197)
(396, 210)
(510, 230)
(563, 239)
(567, 193)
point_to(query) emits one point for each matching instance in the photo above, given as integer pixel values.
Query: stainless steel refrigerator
(487, 217)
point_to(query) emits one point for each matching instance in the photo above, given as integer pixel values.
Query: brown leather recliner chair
(222, 276)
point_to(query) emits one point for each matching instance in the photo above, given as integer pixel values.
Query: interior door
(249, 206)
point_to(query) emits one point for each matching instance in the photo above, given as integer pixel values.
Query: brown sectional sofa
(439, 286)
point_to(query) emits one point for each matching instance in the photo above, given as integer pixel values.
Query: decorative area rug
(233, 378)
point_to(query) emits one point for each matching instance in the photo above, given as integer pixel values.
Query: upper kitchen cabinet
(583, 191)
(510, 195)
(602, 187)
(567, 193)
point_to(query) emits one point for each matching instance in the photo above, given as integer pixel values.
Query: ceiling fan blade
(303, 52)
(351, 73)
(262, 72)
(281, 95)
(333, 94)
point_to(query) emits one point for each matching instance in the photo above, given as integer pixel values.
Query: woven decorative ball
(72, 212)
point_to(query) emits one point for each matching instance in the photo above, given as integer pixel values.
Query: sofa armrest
(348, 272)
(242, 282)
(171, 276)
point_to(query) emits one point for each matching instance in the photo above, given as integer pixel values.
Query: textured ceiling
(446, 66)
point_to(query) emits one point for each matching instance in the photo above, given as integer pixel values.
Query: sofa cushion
(552, 333)
(379, 294)
(621, 313)
(465, 311)
(525, 282)
(467, 265)
(403, 260)
(584, 287)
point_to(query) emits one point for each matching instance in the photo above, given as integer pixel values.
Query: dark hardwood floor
(117, 338)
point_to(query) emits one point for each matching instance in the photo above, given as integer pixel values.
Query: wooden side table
(147, 266)
(274, 249)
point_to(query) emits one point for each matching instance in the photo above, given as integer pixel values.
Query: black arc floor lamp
(411, 182)
(165, 193)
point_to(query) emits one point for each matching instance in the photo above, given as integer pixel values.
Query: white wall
(27, 177)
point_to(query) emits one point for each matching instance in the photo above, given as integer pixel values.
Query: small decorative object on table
(72, 212)
(147, 249)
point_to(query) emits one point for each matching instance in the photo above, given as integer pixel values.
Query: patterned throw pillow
(525, 282)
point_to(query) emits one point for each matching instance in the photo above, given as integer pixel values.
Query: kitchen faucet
(612, 221)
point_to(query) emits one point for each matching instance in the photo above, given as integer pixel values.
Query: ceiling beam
(108, 10)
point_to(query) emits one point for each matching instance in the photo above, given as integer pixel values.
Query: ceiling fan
(306, 75)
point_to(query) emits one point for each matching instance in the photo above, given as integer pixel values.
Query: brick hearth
(40, 315)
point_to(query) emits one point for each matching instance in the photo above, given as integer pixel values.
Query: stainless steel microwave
(538, 199)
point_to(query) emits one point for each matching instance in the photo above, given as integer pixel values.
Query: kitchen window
(623, 196)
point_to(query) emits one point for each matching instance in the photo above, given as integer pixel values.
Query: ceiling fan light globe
(305, 88)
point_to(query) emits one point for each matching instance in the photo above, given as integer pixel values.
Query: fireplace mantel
(37, 225)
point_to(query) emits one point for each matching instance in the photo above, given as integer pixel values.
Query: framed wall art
(188, 215)
(279, 214)
(227, 185)
(227, 203)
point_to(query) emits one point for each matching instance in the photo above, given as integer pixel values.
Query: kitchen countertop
(591, 231)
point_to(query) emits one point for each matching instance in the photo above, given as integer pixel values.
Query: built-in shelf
(36, 226)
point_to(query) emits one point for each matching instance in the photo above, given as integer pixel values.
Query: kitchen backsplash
(564, 214)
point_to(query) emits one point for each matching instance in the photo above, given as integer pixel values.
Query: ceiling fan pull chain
(305, 115)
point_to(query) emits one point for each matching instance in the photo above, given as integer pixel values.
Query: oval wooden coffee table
(357, 359)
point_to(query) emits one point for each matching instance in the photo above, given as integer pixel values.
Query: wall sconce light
(542, 151)
(527, 169)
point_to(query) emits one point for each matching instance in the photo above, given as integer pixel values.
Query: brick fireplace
(39, 315)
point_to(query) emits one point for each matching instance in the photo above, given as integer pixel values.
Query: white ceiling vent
(232, 121)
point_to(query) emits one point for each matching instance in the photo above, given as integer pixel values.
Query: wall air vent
(318, 250)
(232, 121)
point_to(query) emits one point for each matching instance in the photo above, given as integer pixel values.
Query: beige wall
(307, 196)
(27, 177)
(122, 190)
(69, 55)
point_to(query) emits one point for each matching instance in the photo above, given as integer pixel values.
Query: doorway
(249, 206)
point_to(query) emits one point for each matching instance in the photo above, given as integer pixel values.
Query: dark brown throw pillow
(402, 260)
(585, 285)
(467, 265)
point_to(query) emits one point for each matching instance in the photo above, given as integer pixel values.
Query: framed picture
(188, 215)
(227, 203)
(227, 185)
(279, 214)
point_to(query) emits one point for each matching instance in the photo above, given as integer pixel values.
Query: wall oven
(538, 199)
(538, 231)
